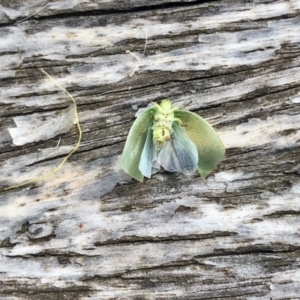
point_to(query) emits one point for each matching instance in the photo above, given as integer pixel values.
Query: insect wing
(180, 154)
(210, 147)
(186, 150)
(149, 156)
(135, 143)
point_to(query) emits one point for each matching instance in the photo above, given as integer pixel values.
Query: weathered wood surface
(90, 232)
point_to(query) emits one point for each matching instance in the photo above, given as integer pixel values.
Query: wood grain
(90, 231)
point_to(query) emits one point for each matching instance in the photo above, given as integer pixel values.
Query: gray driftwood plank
(89, 231)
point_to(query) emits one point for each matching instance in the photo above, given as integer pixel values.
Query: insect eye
(163, 132)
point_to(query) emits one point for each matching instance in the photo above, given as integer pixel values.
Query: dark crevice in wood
(37, 162)
(7, 244)
(42, 293)
(282, 213)
(169, 239)
(253, 250)
(117, 11)
(42, 239)
(37, 109)
(48, 253)
(24, 228)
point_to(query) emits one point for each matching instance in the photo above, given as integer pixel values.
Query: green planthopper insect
(178, 140)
